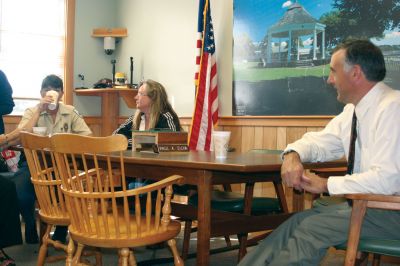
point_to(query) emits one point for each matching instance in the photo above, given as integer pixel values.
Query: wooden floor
(26, 255)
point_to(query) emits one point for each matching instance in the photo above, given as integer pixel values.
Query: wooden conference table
(203, 170)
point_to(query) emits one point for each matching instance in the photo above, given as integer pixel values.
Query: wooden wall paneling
(96, 129)
(258, 144)
(248, 134)
(236, 137)
(258, 138)
(281, 138)
(269, 138)
(270, 143)
(247, 138)
(260, 135)
(9, 127)
(294, 133)
(95, 124)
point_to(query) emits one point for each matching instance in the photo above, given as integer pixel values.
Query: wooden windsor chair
(102, 216)
(46, 181)
(357, 250)
(388, 247)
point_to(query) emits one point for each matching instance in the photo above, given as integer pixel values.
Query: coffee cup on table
(221, 143)
(54, 97)
(40, 130)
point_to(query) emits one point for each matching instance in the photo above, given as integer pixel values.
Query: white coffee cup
(221, 143)
(54, 96)
(40, 130)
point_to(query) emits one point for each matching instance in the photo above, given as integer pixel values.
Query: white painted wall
(161, 39)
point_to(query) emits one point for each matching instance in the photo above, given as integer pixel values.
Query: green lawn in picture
(250, 72)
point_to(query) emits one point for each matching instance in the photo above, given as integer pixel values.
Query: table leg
(204, 217)
(281, 196)
(248, 199)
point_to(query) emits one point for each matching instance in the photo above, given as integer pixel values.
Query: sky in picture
(255, 16)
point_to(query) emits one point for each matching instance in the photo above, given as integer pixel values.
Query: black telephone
(103, 83)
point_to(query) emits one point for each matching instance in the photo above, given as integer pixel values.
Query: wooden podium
(110, 105)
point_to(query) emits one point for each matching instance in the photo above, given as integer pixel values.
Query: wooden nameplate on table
(170, 147)
(159, 141)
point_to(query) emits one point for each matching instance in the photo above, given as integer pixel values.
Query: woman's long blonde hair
(159, 104)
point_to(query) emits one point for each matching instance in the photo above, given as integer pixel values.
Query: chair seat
(234, 202)
(388, 247)
(113, 240)
(56, 219)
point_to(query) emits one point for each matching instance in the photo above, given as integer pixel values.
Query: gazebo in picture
(293, 40)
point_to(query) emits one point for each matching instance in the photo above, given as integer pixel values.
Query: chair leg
(43, 248)
(124, 255)
(132, 260)
(242, 246)
(78, 254)
(42, 231)
(361, 258)
(71, 259)
(376, 260)
(228, 241)
(99, 257)
(186, 239)
(177, 259)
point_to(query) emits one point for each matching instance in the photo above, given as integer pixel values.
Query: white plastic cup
(221, 143)
(54, 96)
(40, 130)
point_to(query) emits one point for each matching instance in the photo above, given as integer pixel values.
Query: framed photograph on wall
(282, 50)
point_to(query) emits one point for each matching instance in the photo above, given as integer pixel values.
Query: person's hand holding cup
(221, 143)
(54, 99)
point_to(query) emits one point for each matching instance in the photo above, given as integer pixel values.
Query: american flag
(206, 107)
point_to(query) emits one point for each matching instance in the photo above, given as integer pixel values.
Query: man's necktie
(352, 147)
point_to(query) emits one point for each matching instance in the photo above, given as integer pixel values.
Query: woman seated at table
(153, 111)
(10, 226)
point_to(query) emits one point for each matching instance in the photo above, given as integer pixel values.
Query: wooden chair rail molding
(248, 132)
(277, 121)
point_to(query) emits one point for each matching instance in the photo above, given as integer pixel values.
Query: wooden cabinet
(110, 105)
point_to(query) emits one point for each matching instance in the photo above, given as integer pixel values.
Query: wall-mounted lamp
(109, 45)
(109, 36)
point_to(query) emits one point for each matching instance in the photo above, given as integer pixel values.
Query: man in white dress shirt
(357, 71)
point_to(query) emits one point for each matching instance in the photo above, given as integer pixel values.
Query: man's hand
(314, 184)
(44, 102)
(292, 170)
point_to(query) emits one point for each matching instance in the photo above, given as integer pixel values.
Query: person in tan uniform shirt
(62, 119)
(66, 120)
(58, 118)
